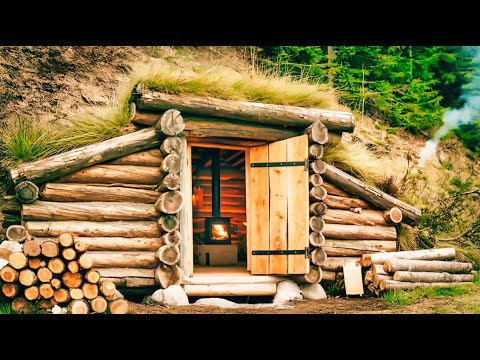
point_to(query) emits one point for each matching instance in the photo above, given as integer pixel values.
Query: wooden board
(259, 210)
(298, 208)
(352, 273)
(186, 220)
(247, 207)
(231, 290)
(278, 179)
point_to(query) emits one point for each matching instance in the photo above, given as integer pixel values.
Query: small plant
(6, 308)
(397, 297)
(447, 166)
(335, 289)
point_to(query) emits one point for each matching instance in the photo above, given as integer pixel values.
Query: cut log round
(16, 233)
(167, 275)
(79, 306)
(318, 208)
(85, 261)
(35, 263)
(132, 259)
(431, 277)
(90, 211)
(171, 238)
(170, 202)
(314, 276)
(317, 193)
(377, 269)
(393, 265)
(44, 275)
(169, 254)
(353, 232)
(151, 157)
(73, 266)
(318, 256)
(41, 171)
(46, 291)
(31, 293)
(10, 290)
(315, 180)
(56, 283)
(248, 111)
(393, 284)
(317, 133)
(76, 293)
(72, 280)
(316, 239)
(393, 215)
(317, 166)
(119, 306)
(32, 248)
(61, 296)
(66, 240)
(168, 223)
(171, 145)
(21, 305)
(99, 304)
(56, 265)
(99, 192)
(169, 182)
(8, 274)
(315, 151)
(80, 246)
(429, 254)
(107, 288)
(69, 254)
(26, 192)
(50, 249)
(345, 203)
(18, 260)
(375, 196)
(171, 122)
(316, 223)
(170, 165)
(90, 291)
(92, 276)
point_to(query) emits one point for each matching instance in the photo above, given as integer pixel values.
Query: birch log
(393, 284)
(393, 265)
(131, 259)
(431, 277)
(357, 232)
(107, 174)
(429, 254)
(151, 157)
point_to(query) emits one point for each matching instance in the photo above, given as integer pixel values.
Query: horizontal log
(366, 217)
(231, 290)
(114, 174)
(329, 275)
(377, 279)
(89, 211)
(126, 272)
(336, 263)
(393, 265)
(83, 192)
(94, 229)
(151, 157)
(121, 259)
(198, 141)
(248, 111)
(431, 277)
(429, 254)
(363, 245)
(354, 232)
(345, 203)
(131, 282)
(371, 194)
(41, 171)
(118, 243)
(377, 269)
(143, 117)
(335, 190)
(393, 284)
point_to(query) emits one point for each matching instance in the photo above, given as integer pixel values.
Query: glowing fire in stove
(219, 232)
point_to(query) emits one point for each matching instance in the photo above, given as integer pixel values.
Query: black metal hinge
(281, 163)
(305, 252)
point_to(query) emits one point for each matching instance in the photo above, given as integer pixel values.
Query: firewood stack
(51, 272)
(414, 269)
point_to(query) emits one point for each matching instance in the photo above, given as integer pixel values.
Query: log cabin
(222, 197)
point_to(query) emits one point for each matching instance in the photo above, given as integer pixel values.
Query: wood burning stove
(217, 229)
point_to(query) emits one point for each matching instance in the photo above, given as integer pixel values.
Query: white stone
(56, 310)
(157, 296)
(13, 246)
(287, 291)
(313, 292)
(219, 302)
(175, 295)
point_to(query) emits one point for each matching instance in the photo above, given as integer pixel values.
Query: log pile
(414, 269)
(58, 272)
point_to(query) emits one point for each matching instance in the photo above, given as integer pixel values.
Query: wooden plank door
(278, 207)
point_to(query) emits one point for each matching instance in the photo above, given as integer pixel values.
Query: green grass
(6, 308)
(409, 297)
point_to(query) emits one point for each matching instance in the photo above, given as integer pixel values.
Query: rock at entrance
(157, 296)
(287, 291)
(175, 295)
(223, 303)
(313, 292)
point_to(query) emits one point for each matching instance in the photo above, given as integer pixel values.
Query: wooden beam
(186, 221)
